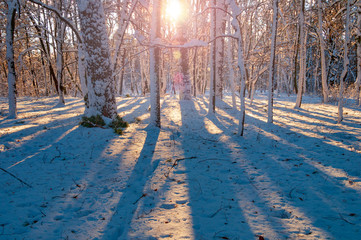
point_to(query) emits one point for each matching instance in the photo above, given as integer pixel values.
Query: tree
(272, 62)
(185, 91)
(213, 63)
(236, 11)
(302, 73)
(60, 31)
(98, 64)
(13, 7)
(154, 64)
(346, 62)
(219, 42)
(322, 50)
(358, 42)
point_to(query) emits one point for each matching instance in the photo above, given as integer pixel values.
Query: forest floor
(194, 178)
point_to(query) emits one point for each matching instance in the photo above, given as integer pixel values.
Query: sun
(173, 10)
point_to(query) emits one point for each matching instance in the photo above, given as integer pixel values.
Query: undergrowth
(93, 121)
(118, 124)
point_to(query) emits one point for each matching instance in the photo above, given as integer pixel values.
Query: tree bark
(302, 73)
(346, 62)
(325, 91)
(10, 29)
(358, 42)
(272, 63)
(213, 62)
(100, 82)
(154, 63)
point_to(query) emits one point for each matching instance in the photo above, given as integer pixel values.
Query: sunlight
(173, 10)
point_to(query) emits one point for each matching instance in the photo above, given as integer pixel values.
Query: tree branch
(58, 13)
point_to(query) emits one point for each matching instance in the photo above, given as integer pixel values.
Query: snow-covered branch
(64, 19)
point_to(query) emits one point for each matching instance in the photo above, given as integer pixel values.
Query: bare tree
(213, 63)
(302, 73)
(13, 7)
(98, 64)
(346, 62)
(154, 64)
(325, 92)
(272, 62)
(358, 42)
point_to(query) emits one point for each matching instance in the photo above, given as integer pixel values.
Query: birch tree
(346, 62)
(98, 64)
(13, 7)
(272, 62)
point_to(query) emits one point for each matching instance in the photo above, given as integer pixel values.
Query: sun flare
(174, 9)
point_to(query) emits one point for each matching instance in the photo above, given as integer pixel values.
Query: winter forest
(180, 119)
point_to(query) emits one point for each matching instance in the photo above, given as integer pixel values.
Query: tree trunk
(99, 72)
(272, 62)
(220, 29)
(231, 71)
(325, 92)
(302, 73)
(358, 80)
(10, 29)
(213, 62)
(185, 91)
(154, 64)
(60, 29)
(345, 64)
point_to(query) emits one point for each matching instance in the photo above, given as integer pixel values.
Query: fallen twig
(346, 219)
(144, 195)
(16, 178)
(175, 163)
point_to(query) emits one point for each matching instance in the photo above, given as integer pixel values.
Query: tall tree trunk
(230, 68)
(346, 62)
(60, 29)
(154, 64)
(195, 72)
(241, 65)
(358, 81)
(213, 62)
(13, 5)
(302, 73)
(185, 91)
(272, 62)
(220, 29)
(82, 72)
(325, 92)
(99, 72)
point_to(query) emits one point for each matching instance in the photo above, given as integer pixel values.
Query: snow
(195, 178)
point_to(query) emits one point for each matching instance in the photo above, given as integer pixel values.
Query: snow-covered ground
(195, 178)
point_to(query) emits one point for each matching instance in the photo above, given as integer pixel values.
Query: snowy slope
(195, 178)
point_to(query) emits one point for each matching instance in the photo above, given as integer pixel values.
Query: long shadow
(33, 136)
(215, 212)
(57, 175)
(118, 226)
(303, 177)
(347, 137)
